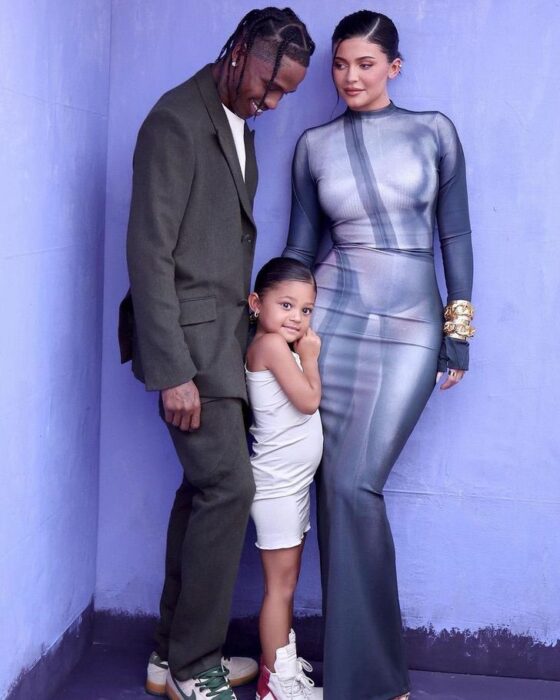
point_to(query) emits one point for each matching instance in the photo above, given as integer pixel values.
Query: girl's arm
(303, 388)
(306, 220)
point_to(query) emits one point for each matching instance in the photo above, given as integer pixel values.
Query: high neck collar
(372, 113)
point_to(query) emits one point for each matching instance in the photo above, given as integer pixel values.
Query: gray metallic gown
(379, 182)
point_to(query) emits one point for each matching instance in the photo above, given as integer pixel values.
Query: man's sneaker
(212, 684)
(156, 676)
(288, 682)
(241, 670)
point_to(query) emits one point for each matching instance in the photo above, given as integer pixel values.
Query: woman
(379, 177)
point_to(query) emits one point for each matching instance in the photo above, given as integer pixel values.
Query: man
(184, 324)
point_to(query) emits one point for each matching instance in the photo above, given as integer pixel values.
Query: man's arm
(181, 406)
(163, 173)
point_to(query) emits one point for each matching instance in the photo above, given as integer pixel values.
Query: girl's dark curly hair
(278, 270)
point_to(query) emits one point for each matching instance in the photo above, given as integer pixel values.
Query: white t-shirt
(237, 126)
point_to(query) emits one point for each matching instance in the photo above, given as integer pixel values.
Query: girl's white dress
(287, 449)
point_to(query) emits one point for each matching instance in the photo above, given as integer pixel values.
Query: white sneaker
(212, 683)
(288, 682)
(241, 670)
(156, 676)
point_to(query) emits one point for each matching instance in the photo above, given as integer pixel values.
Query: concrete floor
(110, 673)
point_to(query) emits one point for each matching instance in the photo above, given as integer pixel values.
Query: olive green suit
(190, 249)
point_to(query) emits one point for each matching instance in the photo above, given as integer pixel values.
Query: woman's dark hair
(372, 26)
(279, 270)
(277, 33)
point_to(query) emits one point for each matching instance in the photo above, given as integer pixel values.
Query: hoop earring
(253, 316)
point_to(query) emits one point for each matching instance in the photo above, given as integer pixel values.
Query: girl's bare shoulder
(266, 350)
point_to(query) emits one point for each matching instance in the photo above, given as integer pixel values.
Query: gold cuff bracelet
(458, 315)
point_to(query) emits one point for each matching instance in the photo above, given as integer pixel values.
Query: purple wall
(475, 497)
(54, 69)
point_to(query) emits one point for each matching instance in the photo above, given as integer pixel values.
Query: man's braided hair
(275, 33)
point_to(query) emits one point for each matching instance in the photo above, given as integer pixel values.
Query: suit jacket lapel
(215, 109)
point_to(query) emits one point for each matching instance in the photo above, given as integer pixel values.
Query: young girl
(284, 391)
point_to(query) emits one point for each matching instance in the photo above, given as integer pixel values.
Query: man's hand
(181, 405)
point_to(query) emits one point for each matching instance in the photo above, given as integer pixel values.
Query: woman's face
(360, 72)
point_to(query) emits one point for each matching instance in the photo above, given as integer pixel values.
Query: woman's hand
(308, 346)
(454, 376)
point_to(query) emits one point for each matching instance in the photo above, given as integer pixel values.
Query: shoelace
(214, 680)
(301, 683)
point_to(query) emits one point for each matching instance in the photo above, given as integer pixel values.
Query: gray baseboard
(53, 667)
(488, 651)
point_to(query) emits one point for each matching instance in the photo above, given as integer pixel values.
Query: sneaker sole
(242, 680)
(160, 691)
(156, 689)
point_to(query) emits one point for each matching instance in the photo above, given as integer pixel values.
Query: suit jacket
(190, 246)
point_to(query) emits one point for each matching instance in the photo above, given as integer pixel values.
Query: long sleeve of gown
(306, 220)
(454, 234)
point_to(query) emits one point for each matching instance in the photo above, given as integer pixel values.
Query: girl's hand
(454, 376)
(308, 346)
(303, 388)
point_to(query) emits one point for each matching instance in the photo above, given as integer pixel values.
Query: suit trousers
(205, 538)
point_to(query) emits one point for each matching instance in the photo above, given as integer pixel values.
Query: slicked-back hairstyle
(279, 270)
(371, 26)
(275, 33)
